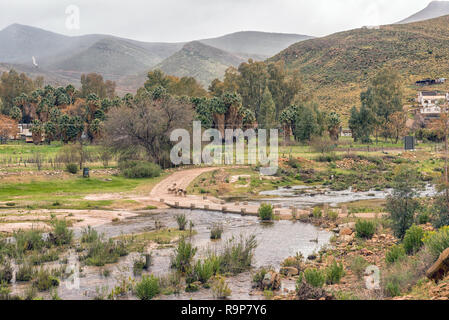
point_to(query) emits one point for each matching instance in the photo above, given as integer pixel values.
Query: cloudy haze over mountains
(186, 38)
(187, 20)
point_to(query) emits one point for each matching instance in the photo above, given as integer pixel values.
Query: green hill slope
(203, 62)
(336, 68)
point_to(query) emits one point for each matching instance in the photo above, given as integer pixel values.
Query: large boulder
(350, 225)
(289, 271)
(271, 281)
(307, 292)
(439, 269)
(345, 231)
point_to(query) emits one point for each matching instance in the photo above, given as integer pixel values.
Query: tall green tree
(361, 124)
(12, 85)
(267, 111)
(402, 204)
(383, 97)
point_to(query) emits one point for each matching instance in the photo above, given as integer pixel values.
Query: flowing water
(306, 197)
(276, 241)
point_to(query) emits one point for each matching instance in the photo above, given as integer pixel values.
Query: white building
(430, 102)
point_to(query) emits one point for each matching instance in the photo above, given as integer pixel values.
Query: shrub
(61, 233)
(147, 288)
(334, 272)
(237, 255)
(45, 281)
(140, 169)
(332, 215)
(28, 240)
(394, 254)
(105, 252)
(37, 258)
(71, 168)
(365, 229)
(6, 272)
(138, 266)
(423, 218)
(266, 212)
(89, 235)
(403, 275)
(317, 213)
(392, 289)
(206, 269)
(258, 278)
(181, 220)
(358, 265)
(25, 273)
(413, 239)
(316, 278)
(437, 241)
(216, 232)
(220, 288)
(184, 254)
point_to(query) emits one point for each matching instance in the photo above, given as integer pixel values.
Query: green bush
(334, 273)
(140, 169)
(71, 168)
(183, 256)
(332, 215)
(393, 289)
(316, 278)
(258, 277)
(220, 288)
(138, 266)
(6, 272)
(40, 257)
(358, 265)
(266, 212)
(61, 233)
(28, 240)
(45, 281)
(317, 213)
(102, 252)
(206, 269)
(413, 239)
(216, 232)
(25, 273)
(365, 229)
(237, 255)
(181, 220)
(394, 254)
(423, 218)
(147, 288)
(89, 235)
(437, 241)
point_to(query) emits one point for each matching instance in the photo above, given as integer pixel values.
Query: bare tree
(147, 124)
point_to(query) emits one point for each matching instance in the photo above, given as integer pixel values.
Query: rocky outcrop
(307, 292)
(288, 271)
(440, 268)
(271, 281)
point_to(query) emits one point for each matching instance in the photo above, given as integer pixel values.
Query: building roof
(431, 93)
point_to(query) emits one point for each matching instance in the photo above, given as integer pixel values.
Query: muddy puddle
(276, 241)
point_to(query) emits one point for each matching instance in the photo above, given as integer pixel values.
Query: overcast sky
(184, 20)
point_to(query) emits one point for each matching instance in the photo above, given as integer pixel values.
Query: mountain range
(63, 59)
(334, 68)
(435, 9)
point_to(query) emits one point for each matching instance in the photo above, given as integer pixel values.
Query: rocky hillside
(203, 62)
(336, 68)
